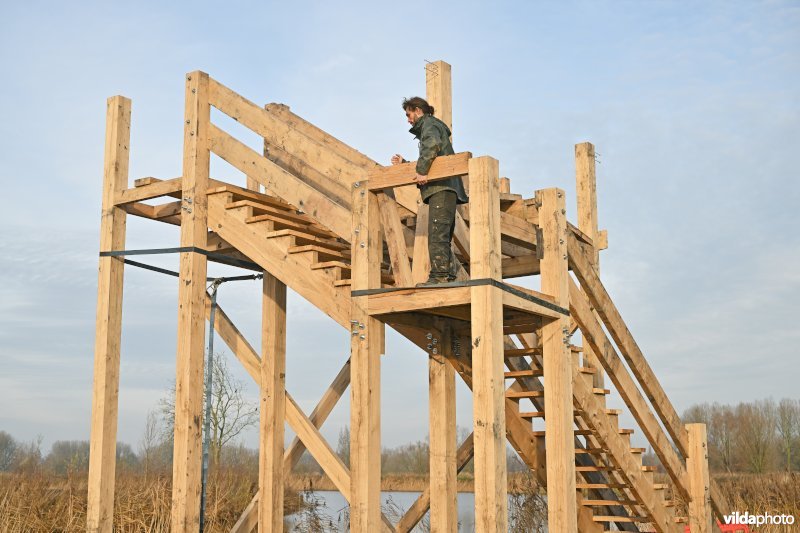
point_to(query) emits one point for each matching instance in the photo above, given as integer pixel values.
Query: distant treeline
(760, 436)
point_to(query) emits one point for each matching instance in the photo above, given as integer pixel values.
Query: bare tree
(343, 445)
(231, 413)
(757, 432)
(149, 442)
(723, 434)
(788, 426)
(8, 449)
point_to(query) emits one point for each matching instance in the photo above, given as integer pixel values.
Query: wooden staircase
(313, 256)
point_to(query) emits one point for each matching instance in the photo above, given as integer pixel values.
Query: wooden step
(660, 486)
(531, 414)
(301, 238)
(523, 373)
(593, 468)
(262, 209)
(648, 468)
(601, 392)
(518, 352)
(590, 451)
(239, 193)
(577, 432)
(319, 253)
(282, 223)
(638, 450)
(525, 394)
(342, 270)
(613, 412)
(600, 485)
(606, 503)
(621, 519)
(626, 432)
(587, 370)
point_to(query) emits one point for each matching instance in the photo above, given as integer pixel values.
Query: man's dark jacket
(434, 140)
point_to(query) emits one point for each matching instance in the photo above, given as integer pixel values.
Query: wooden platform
(523, 309)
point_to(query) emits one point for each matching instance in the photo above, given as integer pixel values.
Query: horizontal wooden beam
(155, 189)
(443, 167)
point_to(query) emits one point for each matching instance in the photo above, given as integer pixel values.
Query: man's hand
(420, 179)
(397, 159)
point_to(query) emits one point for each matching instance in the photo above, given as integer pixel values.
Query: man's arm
(429, 145)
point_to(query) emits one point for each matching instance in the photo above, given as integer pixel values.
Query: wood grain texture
(108, 328)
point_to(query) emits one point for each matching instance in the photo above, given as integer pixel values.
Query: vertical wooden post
(103, 440)
(365, 351)
(443, 449)
(441, 375)
(557, 361)
(491, 506)
(700, 519)
(586, 188)
(273, 398)
(187, 455)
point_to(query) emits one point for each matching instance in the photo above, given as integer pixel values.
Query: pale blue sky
(693, 107)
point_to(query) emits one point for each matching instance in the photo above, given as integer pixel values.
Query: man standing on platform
(442, 196)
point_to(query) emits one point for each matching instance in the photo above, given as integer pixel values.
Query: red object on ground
(727, 528)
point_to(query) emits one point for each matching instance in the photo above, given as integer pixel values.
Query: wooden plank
(417, 299)
(365, 352)
(514, 301)
(281, 183)
(600, 299)
(273, 401)
(442, 432)
(562, 509)
(607, 356)
(155, 189)
(443, 167)
(491, 505)
(395, 240)
(700, 519)
(187, 452)
(108, 326)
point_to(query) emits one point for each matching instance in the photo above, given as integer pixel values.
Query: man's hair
(417, 102)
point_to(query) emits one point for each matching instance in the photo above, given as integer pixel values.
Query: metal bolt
(357, 231)
(194, 91)
(560, 241)
(188, 121)
(354, 321)
(565, 256)
(363, 245)
(430, 346)
(354, 332)
(361, 326)
(189, 78)
(187, 199)
(435, 341)
(429, 336)
(362, 337)
(435, 351)
(560, 194)
(191, 134)
(563, 211)
(362, 193)
(357, 184)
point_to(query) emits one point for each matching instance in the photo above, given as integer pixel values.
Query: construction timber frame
(350, 236)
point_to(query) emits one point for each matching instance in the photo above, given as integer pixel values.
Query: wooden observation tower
(350, 236)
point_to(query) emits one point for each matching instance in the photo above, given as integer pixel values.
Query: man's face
(412, 114)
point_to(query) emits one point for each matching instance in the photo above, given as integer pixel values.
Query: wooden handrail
(443, 167)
